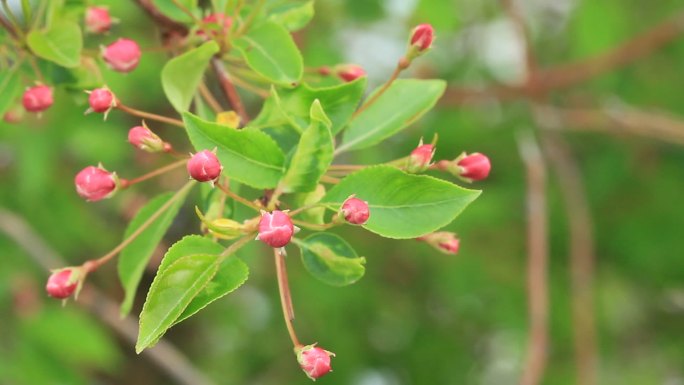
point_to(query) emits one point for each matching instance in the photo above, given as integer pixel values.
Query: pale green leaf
(293, 15)
(182, 75)
(61, 43)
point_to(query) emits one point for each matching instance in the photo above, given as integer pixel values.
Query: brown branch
(567, 75)
(537, 263)
(229, 90)
(581, 255)
(166, 356)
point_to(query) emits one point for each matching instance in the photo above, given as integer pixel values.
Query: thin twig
(397, 70)
(162, 170)
(166, 356)
(229, 90)
(149, 115)
(237, 197)
(209, 98)
(537, 263)
(285, 295)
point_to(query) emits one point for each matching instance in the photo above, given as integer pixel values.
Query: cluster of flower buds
(204, 166)
(98, 20)
(443, 241)
(314, 361)
(64, 282)
(122, 56)
(96, 183)
(276, 228)
(37, 98)
(142, 138)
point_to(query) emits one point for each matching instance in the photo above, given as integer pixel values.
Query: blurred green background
(417, 317)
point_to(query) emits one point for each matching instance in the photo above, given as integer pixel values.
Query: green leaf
(61, 44)
(331, 259)
(402, 205)
(231, 274)
(10, 88)
(248, 156)
(293, 15)
(168, 8)
(292, 106)
(404, 102)
(315, 214)
(136, 255)
(182, 75)
(270, 51)
(313, 155)
(170, 293)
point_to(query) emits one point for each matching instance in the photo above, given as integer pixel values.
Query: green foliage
(402, 205)
(182, 75)
(60, 44)
(248, 156)
(404, 102)
(313, 155)
(10, 88)
(270, 51)
(136, 255)
(170, 9)
(293, 15)
(331, 259)
(313, 215)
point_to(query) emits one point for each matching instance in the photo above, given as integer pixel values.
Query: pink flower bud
(443, 241)
(422, 37)
(62, 283)
(350, 72)
(97, 20)
(122, 55)
(204, 166)
(142, 138)
(314, 361)
(355, 211)
(14, 114)
(420, 158)
(214, 23)
(95, 183)
(275, 228)
(101, 100)
(474, 167)
(37, 99)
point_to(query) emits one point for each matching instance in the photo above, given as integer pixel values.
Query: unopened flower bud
(223, 228)
(214, 24)
(420, 158)
(101, 100)
(314, 361)
(354, 211)
(63, 282)
(96, 183)
(144, 139)
(204, 166)
(37, 99)
(122, 55)
(422, 37)
(443, 241)
(350, 72)
(14, 114)
(97, 20)
(473, 167)
(275, 228)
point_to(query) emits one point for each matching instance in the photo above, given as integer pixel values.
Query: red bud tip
(143, 139)
(101, 100)
(355, 211)
(314, 361)
(422, 37)
(95, 183)
(97, 20)
(275, 229)
(214, 23)
(204, 166)
(443, 241)
(474, 167)
(420, 158)
(350, 72)
(37, 99)
(122, 55)
(61, 284)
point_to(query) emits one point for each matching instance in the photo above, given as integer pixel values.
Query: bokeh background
(418, 316)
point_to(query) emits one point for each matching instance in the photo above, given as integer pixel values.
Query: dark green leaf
(331, 259)
(404, 102)
(182, 74)
(61, 44)
(402, 205)
(249, 156)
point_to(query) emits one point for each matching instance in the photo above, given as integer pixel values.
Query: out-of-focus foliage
(417, 317)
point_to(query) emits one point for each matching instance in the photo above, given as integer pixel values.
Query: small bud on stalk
(96, 183)
(354, 211)
(443, 241)
(62, 283)
(421, 41)
(97, 20)
(420, 158)
(14, 115)
(101, 100)
(350, 72)
(122, 55)
(204, 166)
(223, 228)
(314, 361)
(215, 24)
(275, 228)
(144, 139)
(473, 167)
(37, 99)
